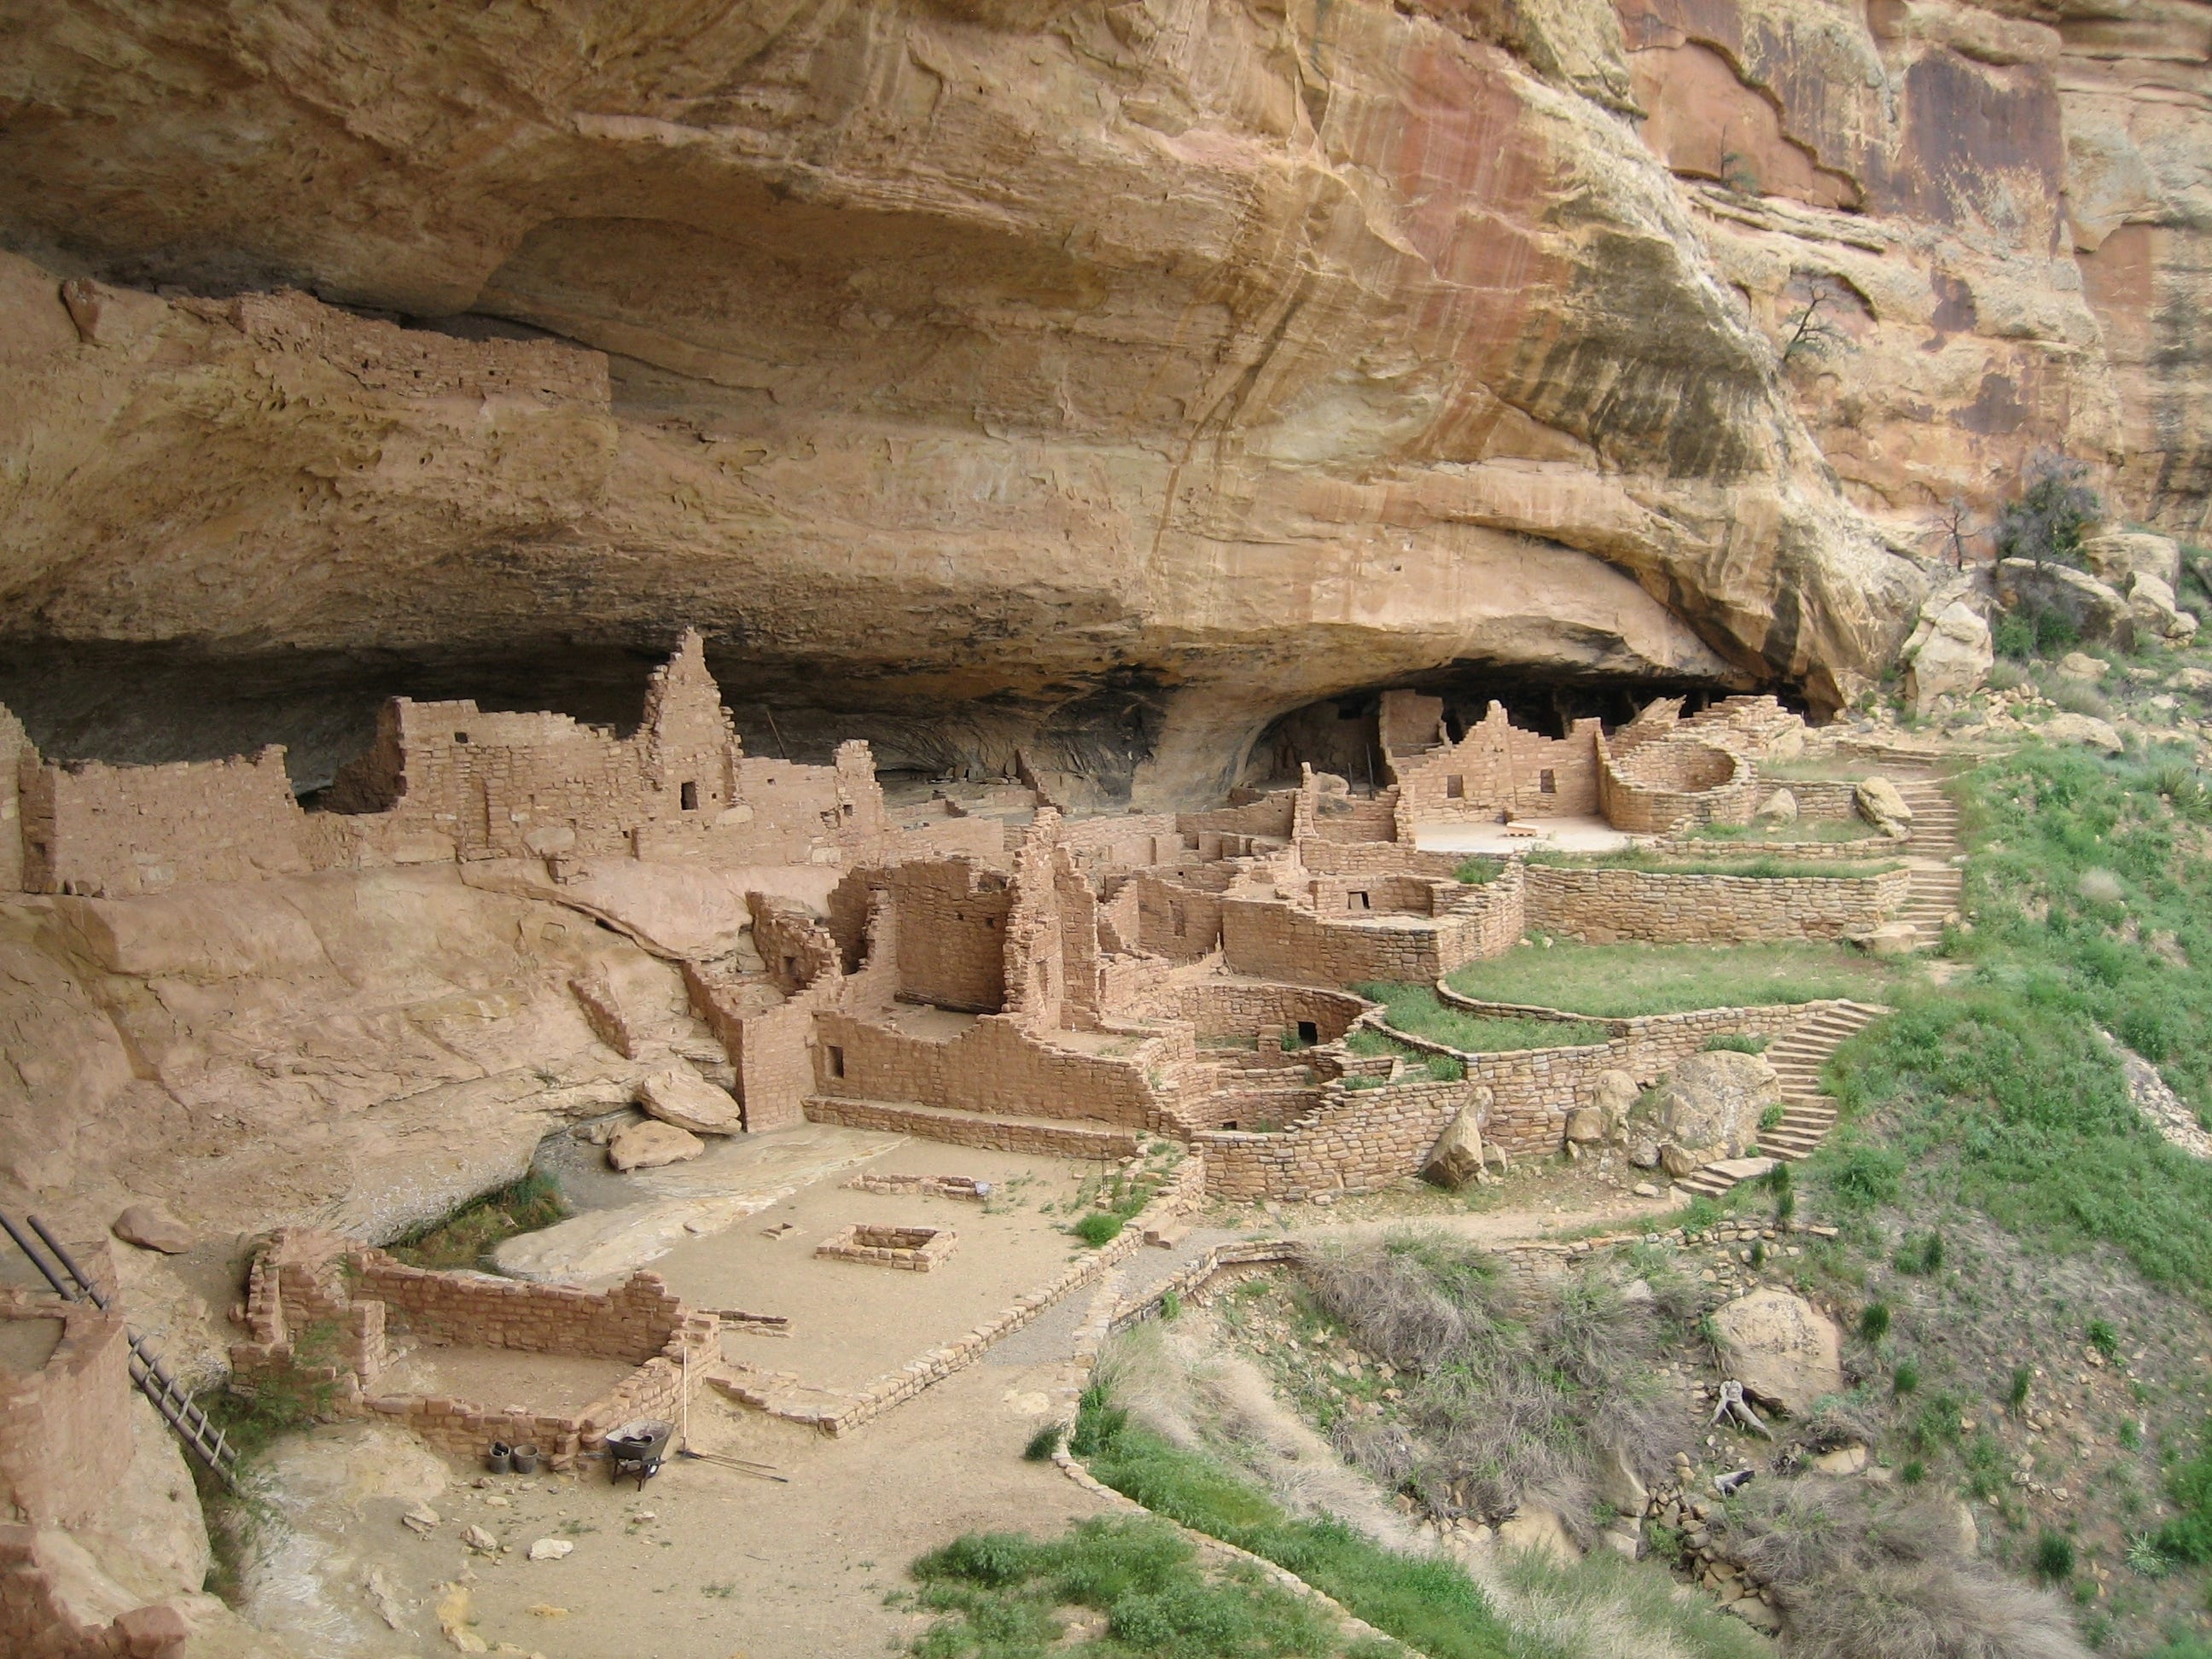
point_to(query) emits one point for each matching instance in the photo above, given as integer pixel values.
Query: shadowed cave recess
(148, 704)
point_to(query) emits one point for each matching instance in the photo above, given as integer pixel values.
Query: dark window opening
(848, 808)
(1358, 901)
(1308, 1033)
(1175, 915)
(1547, 782)
(688, 794)
(836, 1059)
(460, 737)
(791, 967)
(1455, 787)
(1231, 1124)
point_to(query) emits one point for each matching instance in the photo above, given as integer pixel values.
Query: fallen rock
(2081, 666)
(1457, 1157)
(421, 1520)
(1780, 808)
(1891, 938)
(1532, 1526)
(2097, 613)
(152, 1228)
(1950, 655)
(649, 1145)
(678, 1095)
(1678, 1163)
(1644, 1154)
(1781, 1347)
(549, 1549)
(1880, 803)
(2082, 729)
(1645, 1189)
(2158, 615)
(477, 1539)
(1615, 1094)
(2119, 555)
(1844, 1460)
(1586, 1126)
(1710, 1105)
(1616, 1480)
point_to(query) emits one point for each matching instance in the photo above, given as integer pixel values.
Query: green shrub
(463, 1238)
(1044, 1443)
(1736, 1043)
(1100, 1227)
(2046, 522)
(2023, 1378)
(2054, 1557)
(1480, 871)
(2103, 1339)
(1904, 1377)
(1874, 1322)
(1416, 1010)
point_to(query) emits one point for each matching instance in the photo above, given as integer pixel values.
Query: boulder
(151, 1227)
(2119, 556)
(2081, 728)
(1951, 656)
(1677, 1162)
(1615, 1094)
(1710, 1105)
(678, 1095)
(2157, 615)
(1616, 1480)
(2081, 666)
(1457, 1157)
(1586, 1126)
(1532, 1526)
(2097, 613)
(1891, 938)
(1644, 1154)
(649, 1145)
(1780, 808)
(1781, 1347)
(1878, 802)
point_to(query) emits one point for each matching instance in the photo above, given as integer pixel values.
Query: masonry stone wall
(1603, 906)
(18, 757)
(951, 917)
(1371, 895)
(65, 1429)
(1648, 789)
(1271, 938)
(1221, 1007)
(1269, 817)
(40, 1617)
(1176, 917)
(994, 1066)
(1332, 858)
(116, 831)
(1131, 841)
(1357, 817)
(1357, 1139)
(1498, 767)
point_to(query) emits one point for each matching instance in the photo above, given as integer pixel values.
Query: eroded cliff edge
(1105, 379)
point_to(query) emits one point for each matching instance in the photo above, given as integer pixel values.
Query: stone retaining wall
(1357, 1139)
(1650, 789)
(64, 1437)
(1611, 906)
(1279, 938)
(976, 1129)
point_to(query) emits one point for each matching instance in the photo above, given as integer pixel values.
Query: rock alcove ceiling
(1102, 381)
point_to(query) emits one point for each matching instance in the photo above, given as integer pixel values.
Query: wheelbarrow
(636, 1448)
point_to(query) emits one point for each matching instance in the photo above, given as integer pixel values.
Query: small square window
(1358, 901)
(460, 737)
(1547, 782)
(1454, 789)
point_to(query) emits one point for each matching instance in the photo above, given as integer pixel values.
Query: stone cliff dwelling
(821, 754)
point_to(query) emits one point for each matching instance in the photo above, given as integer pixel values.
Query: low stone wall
(1280, 939)
(1611, 906)
(1376, 858)
(976, 1129)
(1650, 789)
(994, 1066)
(316, 1308)
(1358, 1139)
(1233, 1008)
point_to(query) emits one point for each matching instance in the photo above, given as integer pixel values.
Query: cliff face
(1110, 379)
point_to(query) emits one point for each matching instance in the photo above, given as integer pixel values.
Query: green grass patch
(1119, 1198)
(463, 1238)
(1367, 1040)
(1478, 872)
(1808, 831)
(1763, 868)
(1618, 980)
(1424, 1601)
(997, 1596)
(1415, 1008)
(2092, 895)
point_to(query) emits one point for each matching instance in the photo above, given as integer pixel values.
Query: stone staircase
(1934, 897)
(1807, 1115)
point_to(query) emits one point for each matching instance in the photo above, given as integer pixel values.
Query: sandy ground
(1566, 834)
(551, 1384)
(852, 1322)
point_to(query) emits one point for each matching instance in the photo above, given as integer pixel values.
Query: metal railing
(174, 1403)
